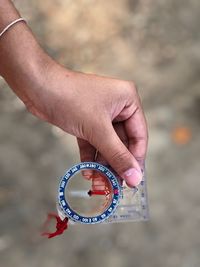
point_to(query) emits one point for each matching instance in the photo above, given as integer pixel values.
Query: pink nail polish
(133, 176)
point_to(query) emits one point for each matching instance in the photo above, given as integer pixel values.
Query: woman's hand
(104, 114)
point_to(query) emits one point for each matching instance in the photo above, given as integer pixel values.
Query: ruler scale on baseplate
(133, 205)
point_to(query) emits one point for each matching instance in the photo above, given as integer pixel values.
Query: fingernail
(133, 176)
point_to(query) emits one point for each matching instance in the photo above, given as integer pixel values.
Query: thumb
(117, 155)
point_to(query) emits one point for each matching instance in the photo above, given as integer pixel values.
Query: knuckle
(132, 86)
(131, 90)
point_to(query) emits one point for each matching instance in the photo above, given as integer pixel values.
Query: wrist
(28, 70)
(23, 61)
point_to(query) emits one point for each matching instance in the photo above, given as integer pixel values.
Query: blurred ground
(156, 44)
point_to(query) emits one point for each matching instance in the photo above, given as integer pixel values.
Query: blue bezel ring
(75, 216)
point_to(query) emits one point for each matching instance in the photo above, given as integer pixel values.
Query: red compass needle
(98, 192)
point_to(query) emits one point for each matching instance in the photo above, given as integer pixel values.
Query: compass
(89, 200)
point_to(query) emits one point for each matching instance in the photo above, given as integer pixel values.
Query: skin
(105, 114)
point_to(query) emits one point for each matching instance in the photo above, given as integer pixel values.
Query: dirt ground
(156, 44)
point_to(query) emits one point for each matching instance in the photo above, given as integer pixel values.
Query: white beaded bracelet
(11, 24)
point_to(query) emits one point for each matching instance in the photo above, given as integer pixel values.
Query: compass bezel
(69, 212)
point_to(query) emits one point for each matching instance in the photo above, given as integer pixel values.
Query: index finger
(136, 130)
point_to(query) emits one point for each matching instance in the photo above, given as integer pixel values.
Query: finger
(119, 129)
(136, 130)
(117, 154)
(87, 153)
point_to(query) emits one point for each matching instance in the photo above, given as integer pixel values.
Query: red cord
(61, 226)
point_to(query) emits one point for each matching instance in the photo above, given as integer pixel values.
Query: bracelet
(11, 24)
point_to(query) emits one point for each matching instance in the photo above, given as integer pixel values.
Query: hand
(104, 114)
